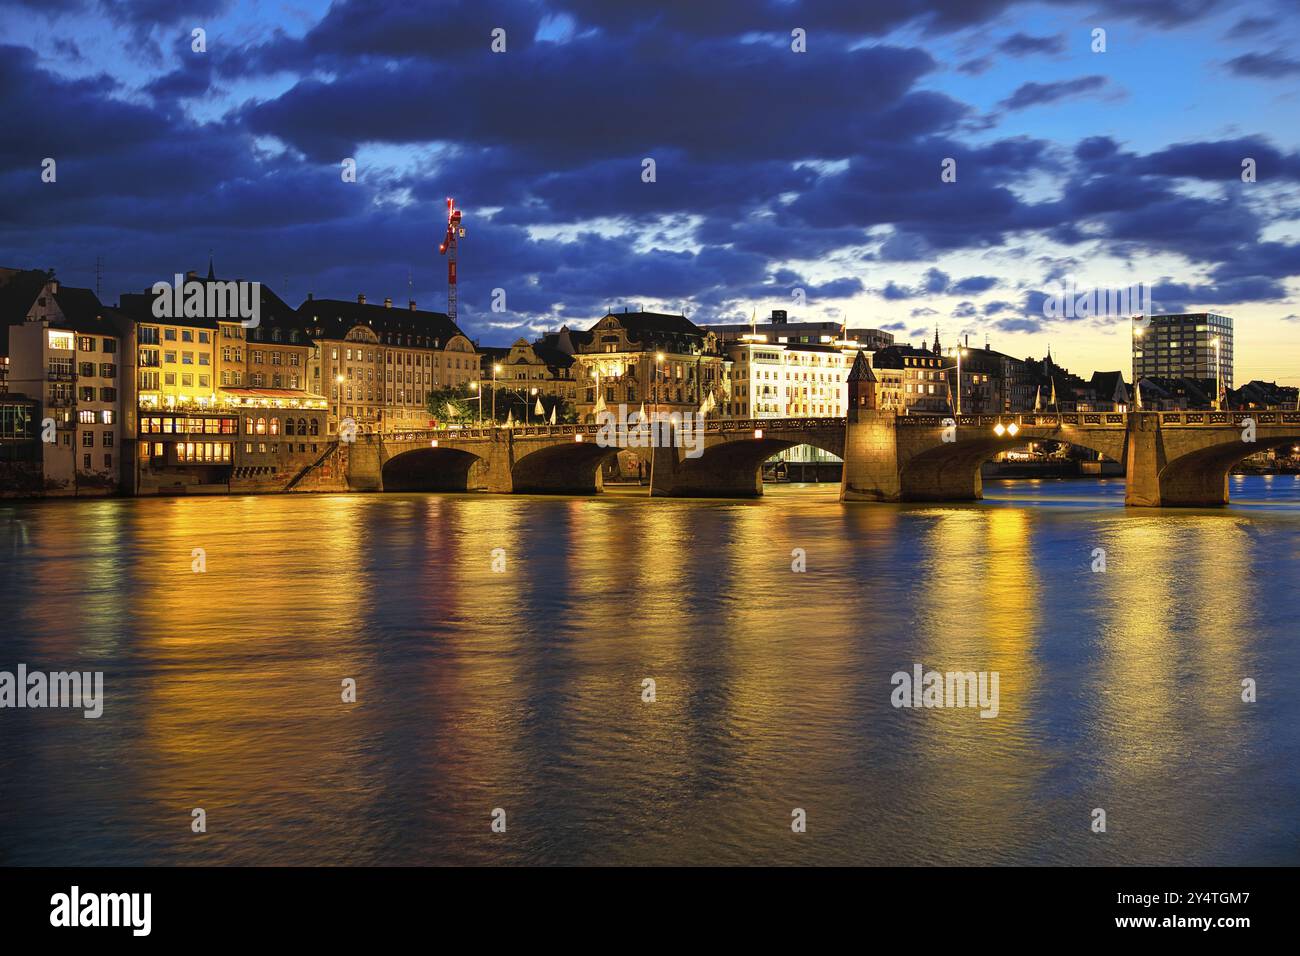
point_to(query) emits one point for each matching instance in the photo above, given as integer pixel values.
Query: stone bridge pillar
(365, 464)
(872, 471)
(500, 459)
(1144, 460)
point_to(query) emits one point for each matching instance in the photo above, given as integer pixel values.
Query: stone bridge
(1170, 458)
(724, 460)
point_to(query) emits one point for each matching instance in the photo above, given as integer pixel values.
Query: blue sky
(776, 170)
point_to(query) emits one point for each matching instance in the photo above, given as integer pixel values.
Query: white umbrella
(538, 410)
(553, 409)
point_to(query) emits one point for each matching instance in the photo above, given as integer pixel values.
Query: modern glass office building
(1183, 346)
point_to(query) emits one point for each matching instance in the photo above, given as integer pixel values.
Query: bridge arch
(431, 469)
(1199, 477)
(952, 471)
(733, 466)
(566, 468)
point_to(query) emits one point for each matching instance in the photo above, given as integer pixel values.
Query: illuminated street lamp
(659, 364)
(1218, 385)
(1137, 334)
(532, 392)
(960, 353)
(495, 368)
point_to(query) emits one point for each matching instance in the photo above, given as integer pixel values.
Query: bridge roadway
(1170, 458)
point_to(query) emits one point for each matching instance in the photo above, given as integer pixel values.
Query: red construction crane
(455, 232)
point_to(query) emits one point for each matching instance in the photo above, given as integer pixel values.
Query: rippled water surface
(522, 689)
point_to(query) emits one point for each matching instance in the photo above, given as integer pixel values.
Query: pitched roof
(546, 349)
(861, 371)
(18, 290)
(891, 356)
(273, 312)
(1107, 384)
(656, 322)
(83, 312)
(334, 318)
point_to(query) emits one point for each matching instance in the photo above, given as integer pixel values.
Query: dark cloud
(1274, 65)
(976, 66)
(1022, 44)
(1036, 94)
(1251, 26)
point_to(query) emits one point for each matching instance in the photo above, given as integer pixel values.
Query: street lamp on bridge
(495, 368)
(1137, 332)
(478, 388)
(1218, 362)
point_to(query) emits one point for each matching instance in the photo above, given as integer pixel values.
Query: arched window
(261, 426)
(315, 427)
(275, 426)
(248, 425)
(302, 426)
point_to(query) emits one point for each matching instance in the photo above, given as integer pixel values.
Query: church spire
(211, 273)
(936, 339)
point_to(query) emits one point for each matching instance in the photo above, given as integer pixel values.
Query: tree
(454, 405)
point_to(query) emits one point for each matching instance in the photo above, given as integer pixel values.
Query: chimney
(361, 299)
(411, 304)
(779, 317)
(309, 296)
(54, 286)
(190, 274)
(388, 303)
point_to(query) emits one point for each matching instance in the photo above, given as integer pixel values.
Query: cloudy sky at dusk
(775, 170)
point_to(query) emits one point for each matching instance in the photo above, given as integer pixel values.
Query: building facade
(1184, 345)
(377, 365)
(665, 361)
(67, 354)
(786, 380)
(911, 380)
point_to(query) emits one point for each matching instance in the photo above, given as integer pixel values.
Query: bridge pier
(364, 464)
(1144, 460)
(871, 465)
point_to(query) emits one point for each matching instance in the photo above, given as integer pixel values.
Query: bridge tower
(863, 392)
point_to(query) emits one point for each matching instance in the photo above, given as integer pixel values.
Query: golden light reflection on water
(522, 688)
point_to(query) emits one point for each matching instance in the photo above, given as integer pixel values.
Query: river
(515, 679)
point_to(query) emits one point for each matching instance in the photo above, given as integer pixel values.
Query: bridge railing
(1113, 419)
(713, 425)
(1236, 419)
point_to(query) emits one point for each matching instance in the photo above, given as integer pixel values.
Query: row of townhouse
(142, 400)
